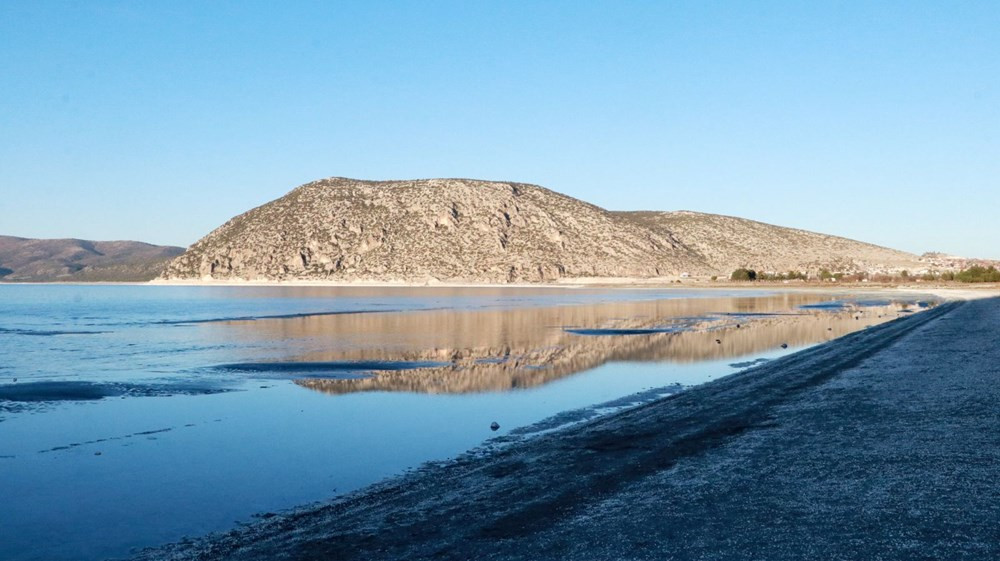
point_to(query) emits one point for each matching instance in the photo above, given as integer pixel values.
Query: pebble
(494, 426)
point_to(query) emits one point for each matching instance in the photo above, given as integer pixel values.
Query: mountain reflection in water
(507, 349)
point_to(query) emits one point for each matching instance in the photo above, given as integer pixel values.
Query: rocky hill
(34, 260)
(462, 230)
(726, 243)
(444, 229)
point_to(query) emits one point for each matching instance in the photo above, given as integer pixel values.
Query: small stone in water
(494, 426)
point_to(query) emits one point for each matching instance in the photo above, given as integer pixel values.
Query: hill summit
(463, 230)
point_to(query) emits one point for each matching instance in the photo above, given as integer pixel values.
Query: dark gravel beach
(883, 444)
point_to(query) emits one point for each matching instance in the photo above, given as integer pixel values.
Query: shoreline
(535, 498)
(942, 290)
(589, 282)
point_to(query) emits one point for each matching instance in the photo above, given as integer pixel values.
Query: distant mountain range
(69, 260)
(462, 230)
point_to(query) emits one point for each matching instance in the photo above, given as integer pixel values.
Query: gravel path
(883, 444)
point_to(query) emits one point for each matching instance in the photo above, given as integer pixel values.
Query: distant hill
(464, 230)
(34, 260)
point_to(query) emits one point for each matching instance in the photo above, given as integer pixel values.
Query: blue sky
(158, 121)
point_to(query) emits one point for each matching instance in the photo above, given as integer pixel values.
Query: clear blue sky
(159, 120)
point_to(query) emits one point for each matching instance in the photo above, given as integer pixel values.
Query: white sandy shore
(576, 282)
(947, 292)
(956, 292)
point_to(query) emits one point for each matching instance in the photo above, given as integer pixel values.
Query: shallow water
(133, 416)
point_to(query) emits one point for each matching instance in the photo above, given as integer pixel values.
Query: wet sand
(881, 444)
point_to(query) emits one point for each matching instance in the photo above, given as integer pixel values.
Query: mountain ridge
(79, 260)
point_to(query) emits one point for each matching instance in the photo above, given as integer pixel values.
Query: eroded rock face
(438, 229)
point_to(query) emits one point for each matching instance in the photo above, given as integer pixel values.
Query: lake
(132, 416)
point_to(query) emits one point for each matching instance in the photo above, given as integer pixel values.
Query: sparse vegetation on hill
(978, 274)
(974, 274)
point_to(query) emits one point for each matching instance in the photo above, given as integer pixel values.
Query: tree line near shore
(975, 273)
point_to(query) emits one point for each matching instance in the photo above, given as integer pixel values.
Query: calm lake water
(132, 416)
